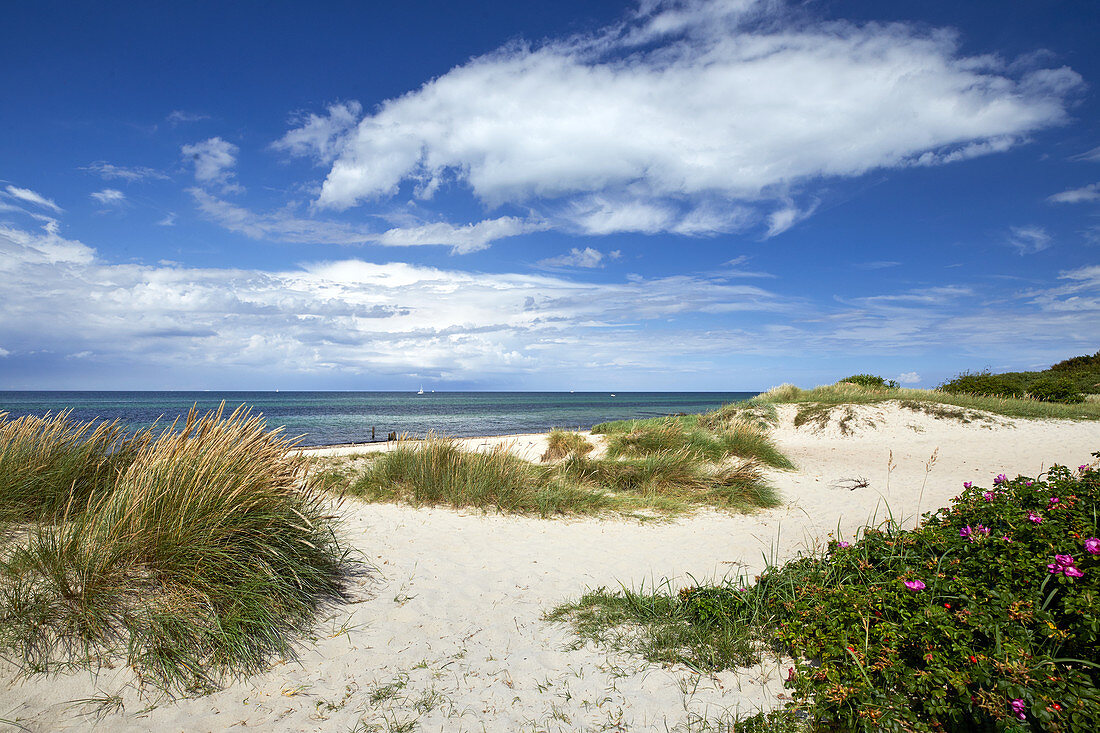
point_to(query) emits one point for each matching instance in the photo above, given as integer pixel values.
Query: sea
(335, 418)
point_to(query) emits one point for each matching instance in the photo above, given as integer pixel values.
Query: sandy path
(448, 636)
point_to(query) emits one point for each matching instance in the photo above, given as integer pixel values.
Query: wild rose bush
(983, 618)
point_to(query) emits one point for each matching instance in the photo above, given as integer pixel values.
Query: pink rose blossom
(968, 485)
(1034, 517)
(1018, 707)
(1092, 544)
(915, 585)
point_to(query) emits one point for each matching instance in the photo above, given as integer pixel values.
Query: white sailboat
(421, 389)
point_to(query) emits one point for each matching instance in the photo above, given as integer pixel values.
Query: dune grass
(843, 393)
(196, 554)
(50, 462)
(563, 443)
(437, 472)
(728, 438)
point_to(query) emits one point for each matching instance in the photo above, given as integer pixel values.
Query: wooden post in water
(372, 433)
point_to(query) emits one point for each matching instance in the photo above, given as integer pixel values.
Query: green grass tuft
(563, 443)
(199, 554)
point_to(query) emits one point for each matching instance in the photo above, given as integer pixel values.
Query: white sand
(452, 622)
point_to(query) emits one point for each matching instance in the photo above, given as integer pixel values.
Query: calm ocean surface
(325, 418)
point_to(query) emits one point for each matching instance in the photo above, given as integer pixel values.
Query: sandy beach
(446, 633)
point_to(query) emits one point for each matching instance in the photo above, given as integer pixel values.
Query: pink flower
(1006, 538)
(968, 485)
(982, 530)
(1092, 544)
(965, 531)
(1018, 707)
(842, 545)
(1030, 483)
(988, 496)
(1001, 478)
(1053, 500)
(915, 585)
(1063, 565)
(1034, 517)
(1082, 469)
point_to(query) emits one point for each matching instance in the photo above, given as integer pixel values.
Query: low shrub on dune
(985, 617)
(199, 554)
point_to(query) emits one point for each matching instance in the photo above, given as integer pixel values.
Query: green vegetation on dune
(982, 618)
(195, 554)
(850, 394)
(437, 471)
(1067, 381)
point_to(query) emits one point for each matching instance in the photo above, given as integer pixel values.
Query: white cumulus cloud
(725, 105)
(214, 160)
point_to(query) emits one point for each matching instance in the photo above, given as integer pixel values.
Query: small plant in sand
(563, 443)
(985, 617)
(199, 553)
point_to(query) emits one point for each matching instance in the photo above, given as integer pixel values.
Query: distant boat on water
(421, 389)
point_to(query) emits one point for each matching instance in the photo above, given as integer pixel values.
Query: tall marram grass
(197, 554)
(48, 463)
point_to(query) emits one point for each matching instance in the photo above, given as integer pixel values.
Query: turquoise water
(326, 418)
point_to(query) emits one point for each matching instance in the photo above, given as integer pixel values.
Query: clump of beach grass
(195, 555)
(563, 443)
(437, 472)
(733, 438)
(48, 463)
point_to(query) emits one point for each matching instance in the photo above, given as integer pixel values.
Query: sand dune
(447, 634)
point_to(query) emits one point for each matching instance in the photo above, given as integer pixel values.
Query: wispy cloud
(1029, 240)
(285, 226)
(131, 174)
(692, 117)
(576, 257)
(169, 220)
(179, 116)
(109, 197)
(1091, 155)
(1084, 194)
(31, 197)
(321, 136)
(214, 160)
(351, 317)
(876, 265)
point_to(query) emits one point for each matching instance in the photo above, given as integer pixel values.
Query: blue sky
(658, 195)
